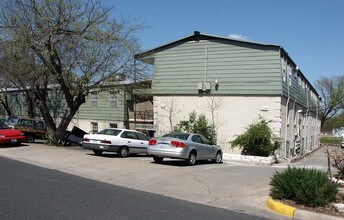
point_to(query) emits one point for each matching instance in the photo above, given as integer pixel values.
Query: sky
(311, 31)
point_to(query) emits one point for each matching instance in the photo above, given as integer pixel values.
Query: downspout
(287, 151)
(307, 121)
(205, 65)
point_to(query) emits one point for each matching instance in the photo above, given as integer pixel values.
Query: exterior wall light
(216, 84)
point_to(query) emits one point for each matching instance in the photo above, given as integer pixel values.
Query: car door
(133, 143)
(209, 149)
(143, 142)
(200, 147)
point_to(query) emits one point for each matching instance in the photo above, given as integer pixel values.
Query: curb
(280, 208)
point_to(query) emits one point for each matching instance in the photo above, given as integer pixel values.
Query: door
(134, 143)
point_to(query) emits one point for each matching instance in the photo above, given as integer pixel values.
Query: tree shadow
(12, 145)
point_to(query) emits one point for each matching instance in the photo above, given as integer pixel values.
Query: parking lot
(230, 185)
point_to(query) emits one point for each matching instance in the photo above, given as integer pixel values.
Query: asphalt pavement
(40, 194)
(233, 186)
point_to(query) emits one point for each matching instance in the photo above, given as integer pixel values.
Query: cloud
(238, 36)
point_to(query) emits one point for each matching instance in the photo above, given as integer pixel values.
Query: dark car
(31, 127)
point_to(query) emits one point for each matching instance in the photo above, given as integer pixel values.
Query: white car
(122, 141)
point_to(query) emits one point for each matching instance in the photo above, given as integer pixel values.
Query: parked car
(2, 120)
(188, 146)
(31, 127)
(122, 141)
(11, 121)
(342, 144)
(10, 136)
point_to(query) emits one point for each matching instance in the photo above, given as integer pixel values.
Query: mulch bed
(328, 210)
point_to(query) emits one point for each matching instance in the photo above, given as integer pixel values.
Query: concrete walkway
(231, 185)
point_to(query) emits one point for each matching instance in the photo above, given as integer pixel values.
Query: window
(39, 124)
(94, 127)
(112, 99)
(27, 123)
(129, 135)
(94, 99)
(142, 137)
(113, 132)
(284, 75)
(113, 125)
(290, 76)
(205, 140)
(197, 139)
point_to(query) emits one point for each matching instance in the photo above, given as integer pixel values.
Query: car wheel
(218, 157)
(158, 159)
(192, 158)
(123, 152)
(98, 152)
(29, 138)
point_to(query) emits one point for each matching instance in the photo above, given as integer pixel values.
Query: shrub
(336, 159)
(310, 187)
(196, 124)
(258, 140)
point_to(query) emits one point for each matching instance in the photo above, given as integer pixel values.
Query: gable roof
(197, 36)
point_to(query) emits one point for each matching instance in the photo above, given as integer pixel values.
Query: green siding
(240, 68)
(103, 110)
(18, 104)
(299, 93)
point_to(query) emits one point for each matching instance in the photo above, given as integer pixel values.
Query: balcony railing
(141, 116)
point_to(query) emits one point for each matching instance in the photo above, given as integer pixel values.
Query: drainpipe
(286, 116)
(205, 65)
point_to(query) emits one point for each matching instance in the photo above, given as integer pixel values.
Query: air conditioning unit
(200, 86)
(207, 86)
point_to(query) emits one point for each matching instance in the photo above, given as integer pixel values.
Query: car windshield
(12, 120)
(113, 132)
(176, 135)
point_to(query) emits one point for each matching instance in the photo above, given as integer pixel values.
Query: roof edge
(195, 36)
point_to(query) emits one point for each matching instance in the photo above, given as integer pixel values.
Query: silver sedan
(188, 146)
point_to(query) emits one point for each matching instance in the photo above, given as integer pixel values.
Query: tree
(15, 74)
(73, 45)
(333, 123)
(332, 93)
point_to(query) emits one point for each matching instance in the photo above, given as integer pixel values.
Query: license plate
(163, 145)
(14, 140)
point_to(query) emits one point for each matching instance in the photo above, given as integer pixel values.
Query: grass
(330, 140)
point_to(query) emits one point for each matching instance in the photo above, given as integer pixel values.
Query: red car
(10, 136)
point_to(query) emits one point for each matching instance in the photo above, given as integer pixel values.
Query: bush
(306, 186)
(258, 140)
(336, 158)
(196, 124)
